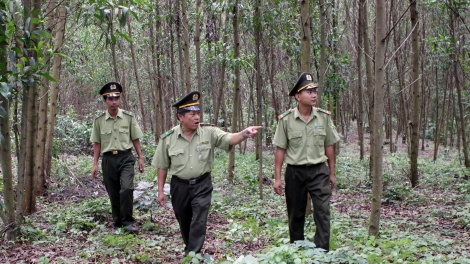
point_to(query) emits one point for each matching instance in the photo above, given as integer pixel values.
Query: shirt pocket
(295, 139)
(106, 136)
(177, 157)
(319, 137)
(205, 152)
(124, 135)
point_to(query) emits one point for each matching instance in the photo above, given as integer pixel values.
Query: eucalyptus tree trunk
(54, 87)
(305, 36)
(436, 135)
(259, 137)
(415, 124)
(39, 175)
(220, 94)
(156, 77)
(370, 84)
(197, 44)
(8, 213)
(187, 65)
(171, 55)
(136, 72)
(378, 106)
(455, 61)
(29, 122)
(323, 62)
(360, 106)
(236, 89)
(179, 47)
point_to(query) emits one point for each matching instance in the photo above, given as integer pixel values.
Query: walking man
(187, 153)
(304, 138)
(114, 133)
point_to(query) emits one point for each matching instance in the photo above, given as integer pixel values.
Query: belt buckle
(192, 181)
(115, 152)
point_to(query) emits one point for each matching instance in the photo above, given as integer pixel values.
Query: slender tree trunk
(305, 36)
(136, 72)
(360, 104)
(236, 89)
(180, 48)
(415, 124)
(39, 175)
(197, 44)
(187, 65)
(323, 61)
(54, 88)
(259, 137)
(8, 213)
(220, 93)
(380, 33)
(455, 61)
(370, 84)
(436, 135)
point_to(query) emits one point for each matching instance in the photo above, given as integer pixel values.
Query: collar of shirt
(312, 114)
(119, 114)
(179, 132)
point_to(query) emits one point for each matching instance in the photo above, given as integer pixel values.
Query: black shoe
(131, 229)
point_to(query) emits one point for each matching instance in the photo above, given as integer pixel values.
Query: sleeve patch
(99, 114)
(166, 134)
(285, 114)
(324, 111)
(128, 113)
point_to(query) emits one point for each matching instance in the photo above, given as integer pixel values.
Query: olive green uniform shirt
(115, 134)
(190, 159)
(305, 142)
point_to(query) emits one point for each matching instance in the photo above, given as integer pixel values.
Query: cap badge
(112, 86)
(308, 77)
(195, 97)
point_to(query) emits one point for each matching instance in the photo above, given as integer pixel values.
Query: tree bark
(236, 89)
(323, 61)
(380, 51)
(197, 44)
(415, 123)
(305, 36)
(259, 146)
(187, 64)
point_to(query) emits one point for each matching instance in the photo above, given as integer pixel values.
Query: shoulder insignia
(166, 134)
(128, 113)
(324, 111)
(99, 114)
(285, 113)
(206, 124)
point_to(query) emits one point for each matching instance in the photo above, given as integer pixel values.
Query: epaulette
(99, 114)
(166, 134)
(324, 111)
(285, 113)
(206, 124)
(128, 112)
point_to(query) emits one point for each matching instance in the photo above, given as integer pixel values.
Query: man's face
(190, 119)
(112, 103)
(307, 97)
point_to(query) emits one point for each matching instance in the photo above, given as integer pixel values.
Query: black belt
(117, 152)
(305, 165)
(193, 180)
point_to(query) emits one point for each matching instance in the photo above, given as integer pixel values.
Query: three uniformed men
(114, 133)
(187, 153)
(304, 138)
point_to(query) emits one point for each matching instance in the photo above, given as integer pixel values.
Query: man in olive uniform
(304, 137)
(114, 133)
(187, 153)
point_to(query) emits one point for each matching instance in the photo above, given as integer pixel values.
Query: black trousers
(118, 177)
(300, 180)
(191, 203)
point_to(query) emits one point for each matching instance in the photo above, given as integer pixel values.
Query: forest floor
(73, 222)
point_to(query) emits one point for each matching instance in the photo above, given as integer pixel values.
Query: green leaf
(3, 113)
(42, 33)
(47, 76)
(5, 90)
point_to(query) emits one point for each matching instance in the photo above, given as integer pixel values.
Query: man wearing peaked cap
(114, 133)
(304, 139)
(186, 152)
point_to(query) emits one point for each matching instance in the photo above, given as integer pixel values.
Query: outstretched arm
(249, 132)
